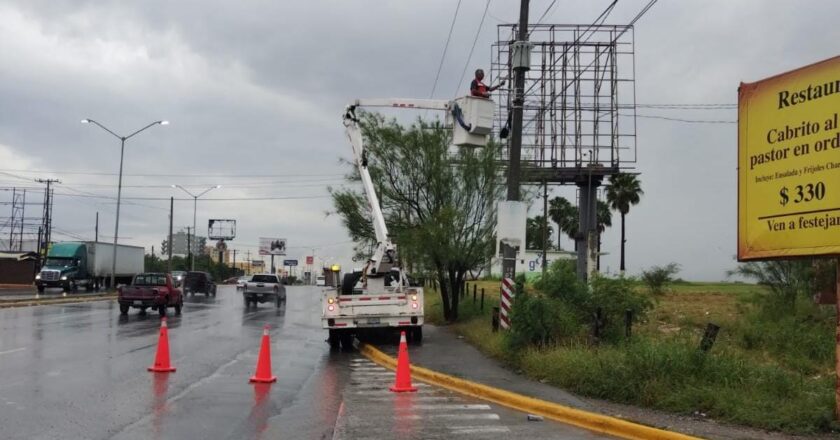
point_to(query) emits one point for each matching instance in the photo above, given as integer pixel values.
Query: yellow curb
(571, 416)
(49, 301)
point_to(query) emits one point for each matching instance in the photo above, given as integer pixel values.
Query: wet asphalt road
(79, 371)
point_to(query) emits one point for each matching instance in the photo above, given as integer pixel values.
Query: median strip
(30, 301)
(571, 416)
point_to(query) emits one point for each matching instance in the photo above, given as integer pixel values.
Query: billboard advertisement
(310, 260)
(221, 229)
(789, 164)
(272, 246)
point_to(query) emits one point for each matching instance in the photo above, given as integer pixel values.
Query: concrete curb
(583, 419)
(26, 302)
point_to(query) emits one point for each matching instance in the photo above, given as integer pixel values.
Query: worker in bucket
(478, 88)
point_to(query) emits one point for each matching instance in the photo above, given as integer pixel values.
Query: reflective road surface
(78, 371)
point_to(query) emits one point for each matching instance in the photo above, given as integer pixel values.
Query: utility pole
(521, 62)
(22, 220)
(12, 228)
(248, 256)
(96, 229)
(234, 262)
(189, 249)
(169, 248)
(48, 199)
(545, 228)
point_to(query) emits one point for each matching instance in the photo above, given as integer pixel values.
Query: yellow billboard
(789, 164)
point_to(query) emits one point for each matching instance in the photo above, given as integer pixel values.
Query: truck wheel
(334, 340)
(416, 335)
(124, 309)
(247, 303)
(89, 286)
(162, 310)
(178, 308)
(40, 289)
(277, 301)
(349, 281)
(347, 342)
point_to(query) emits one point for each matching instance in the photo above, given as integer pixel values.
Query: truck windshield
(58, 262)
(264, 279)
(150, 280)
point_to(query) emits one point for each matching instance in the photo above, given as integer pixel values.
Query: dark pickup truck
(150, 290)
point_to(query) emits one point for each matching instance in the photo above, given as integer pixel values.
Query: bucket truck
(379, 296)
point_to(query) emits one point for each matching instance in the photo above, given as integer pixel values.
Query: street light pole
(195, 210)
(119, 185)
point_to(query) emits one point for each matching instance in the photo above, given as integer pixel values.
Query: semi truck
(380, 296)
(87, 264)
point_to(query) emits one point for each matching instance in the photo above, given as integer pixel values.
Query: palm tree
(604, 221)
(623, 191)
(562, 212)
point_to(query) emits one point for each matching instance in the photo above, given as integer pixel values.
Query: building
(17, 267)
(531, 262)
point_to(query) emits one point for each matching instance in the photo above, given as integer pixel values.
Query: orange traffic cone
(263, 374)
(161, 364)
(403, 382)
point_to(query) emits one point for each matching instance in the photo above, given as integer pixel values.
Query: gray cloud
(258, 87)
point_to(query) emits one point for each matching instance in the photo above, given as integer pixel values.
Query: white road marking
(491, 416)
(467, 407)
(478, 429)
(14, 350)
(415, 398)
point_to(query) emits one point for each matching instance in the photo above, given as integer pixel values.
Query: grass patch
(764, 371)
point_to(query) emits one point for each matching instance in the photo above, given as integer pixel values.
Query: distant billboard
(272, 246)
(310, 259)
(221, 229)
(789, 164)
(290, 263)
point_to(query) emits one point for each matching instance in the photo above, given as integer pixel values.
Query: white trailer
(130, 260)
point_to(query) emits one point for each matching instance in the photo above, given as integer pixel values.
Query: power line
(445, 47)
(233, 199)
(88, 173)
(545, 13)
(477, 33)
(690, 121)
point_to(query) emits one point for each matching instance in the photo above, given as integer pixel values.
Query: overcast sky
(254, 91)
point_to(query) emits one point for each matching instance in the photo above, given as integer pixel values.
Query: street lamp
(119, 184)
(195, 208)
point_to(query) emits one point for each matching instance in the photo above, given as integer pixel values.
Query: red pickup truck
(150, 290)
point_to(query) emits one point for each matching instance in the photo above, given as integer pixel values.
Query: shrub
(657, 278)
(539, 320)
(614, 296)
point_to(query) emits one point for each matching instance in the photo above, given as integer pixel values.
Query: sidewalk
(28, 295)
(444, 352)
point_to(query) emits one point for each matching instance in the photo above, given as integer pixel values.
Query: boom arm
(386, 251)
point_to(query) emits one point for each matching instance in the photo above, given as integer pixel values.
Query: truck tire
(124, 309)
(416, 335)
(178, 308)
(334, 340)
(162, 310)
(40, 288)
(277, 300)
(89, 286)
(347, 342)
(349, 281)
(246, 301)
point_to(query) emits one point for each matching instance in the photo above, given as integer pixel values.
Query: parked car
(321, 280)
(264, 288)
(240, 283)
(199, 282)
(150, 290)
(178, 277)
